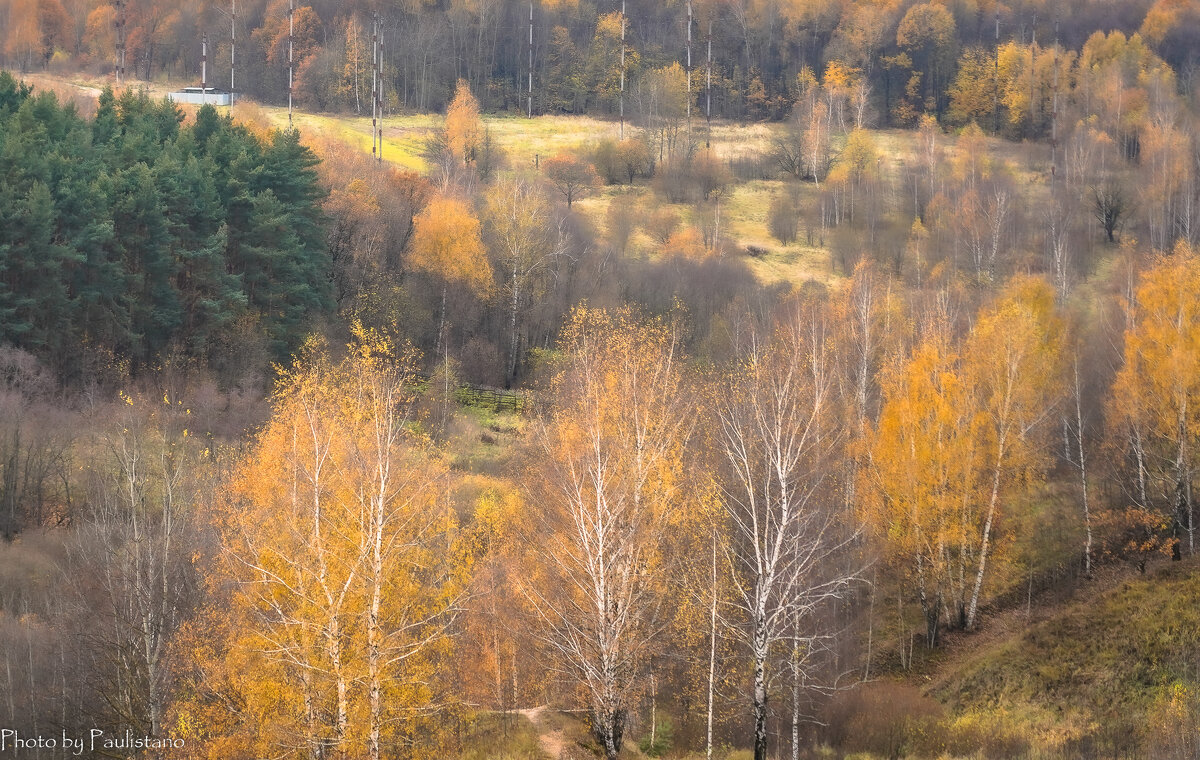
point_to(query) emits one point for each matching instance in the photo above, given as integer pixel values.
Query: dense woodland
(900, 55)
(306, 456)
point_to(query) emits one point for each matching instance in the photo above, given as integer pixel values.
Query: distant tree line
(909, 56)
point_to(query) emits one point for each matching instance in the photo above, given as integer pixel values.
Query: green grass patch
(1095, 666)
(497, 736)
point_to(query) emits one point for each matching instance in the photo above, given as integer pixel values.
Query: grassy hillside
(1095, 676)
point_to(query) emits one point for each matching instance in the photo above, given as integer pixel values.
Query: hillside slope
(1106, 674)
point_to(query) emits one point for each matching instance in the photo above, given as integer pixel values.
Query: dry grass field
(525, 142)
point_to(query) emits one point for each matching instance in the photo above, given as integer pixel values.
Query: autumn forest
(573, 379)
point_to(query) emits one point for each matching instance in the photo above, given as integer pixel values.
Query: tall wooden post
(374, 81)
(529, 96)
(622, 97)
(379, 96)
(291, 38)
(232, 48)
(120, 25)
(689, 72)
(204, 69)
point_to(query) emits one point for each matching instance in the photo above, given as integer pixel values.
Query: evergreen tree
(210, 296)
(143, 240)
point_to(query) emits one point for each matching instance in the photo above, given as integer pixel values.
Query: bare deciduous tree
(779, 436)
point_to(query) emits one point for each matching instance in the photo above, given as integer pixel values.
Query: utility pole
(529, 103)
(689, 72)
(374, 84)
(375, 78)
(120, 24)
(232, 48)
(379, 96)
(291, 37)
(204, 69)
(622, 98)
(708, 92)
(996, 77)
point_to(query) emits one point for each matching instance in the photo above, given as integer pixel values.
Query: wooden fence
(483, 397)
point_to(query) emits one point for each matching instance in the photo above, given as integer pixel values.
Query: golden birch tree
(343, 562)
(1154, 404)
(610, 477)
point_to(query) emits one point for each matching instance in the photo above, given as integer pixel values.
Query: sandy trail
(552, 740)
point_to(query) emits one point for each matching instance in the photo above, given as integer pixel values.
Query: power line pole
(204, 70)
(120, 24)
(379, 96)
(689, 72)
(374, 84)
(291, 37)
(529, 103)
(232, 48)
(622, 97)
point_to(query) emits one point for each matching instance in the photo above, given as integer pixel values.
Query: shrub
(1135, 535)
(686, 243)
(992, 735)
(607, 163)
(709, 174)
(1171, 724)
(622, 162)
(782, 218)
(885, 718)
(621, 223)
(674, 180)
(662, 223)
(634, 159)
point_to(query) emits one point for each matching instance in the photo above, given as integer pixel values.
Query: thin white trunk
(712, 654)
(1083, 479)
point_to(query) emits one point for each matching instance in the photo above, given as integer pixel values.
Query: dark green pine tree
(210, 296)
(104, 123)
(277, 238)
(34, 298)
(269, 250)
(12, 94)
(144, 242)
(36, 259)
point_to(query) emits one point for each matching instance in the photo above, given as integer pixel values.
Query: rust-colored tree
(572, 177)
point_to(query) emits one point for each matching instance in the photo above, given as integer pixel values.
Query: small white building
(200, 95)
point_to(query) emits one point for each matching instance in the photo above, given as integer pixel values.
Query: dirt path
(552, 740)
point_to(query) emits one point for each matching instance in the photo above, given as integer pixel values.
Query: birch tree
(779, 437)
(346, 560)
(1014, 359)
(609, 480)
(524, 238)
(1154, 395)
(144, 495)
